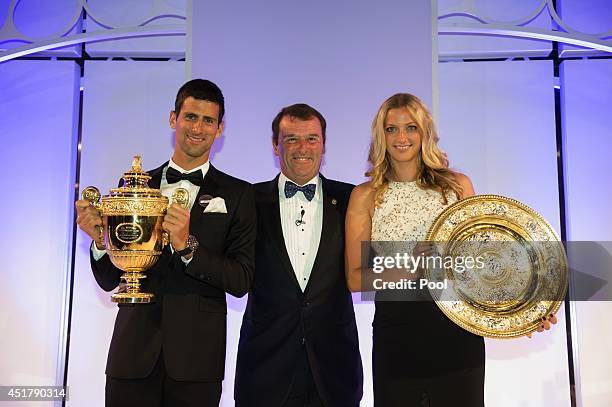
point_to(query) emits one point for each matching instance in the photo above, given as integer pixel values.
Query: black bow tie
(292, 189)
(173, 176)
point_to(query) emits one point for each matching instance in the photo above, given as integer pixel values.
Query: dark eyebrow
(307, 135)
(188, 113)
(394, 124)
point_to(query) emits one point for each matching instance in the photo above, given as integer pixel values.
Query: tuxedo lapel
(156, 176)
(330, 220)
(270, 207)
(209, 187)
(155, 182)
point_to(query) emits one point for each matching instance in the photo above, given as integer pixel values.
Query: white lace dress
(407, 212)
(414, 342)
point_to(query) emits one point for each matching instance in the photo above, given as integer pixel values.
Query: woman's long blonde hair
(433, 172)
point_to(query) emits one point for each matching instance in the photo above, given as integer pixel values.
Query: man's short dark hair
(300, 111)
(201, 89)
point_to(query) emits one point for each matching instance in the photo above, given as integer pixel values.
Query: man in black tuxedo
(298, 342)
(172, 352)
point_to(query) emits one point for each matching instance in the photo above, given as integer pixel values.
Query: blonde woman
(419, 355)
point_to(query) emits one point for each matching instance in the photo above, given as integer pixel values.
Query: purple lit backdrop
(343, 58)
(38, 104)
(587, 103)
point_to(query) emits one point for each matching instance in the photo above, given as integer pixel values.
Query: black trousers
(160, 390)
(303, 391)
(462, 388)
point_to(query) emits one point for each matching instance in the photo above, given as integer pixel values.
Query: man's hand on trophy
(176, 223)
(90, 222)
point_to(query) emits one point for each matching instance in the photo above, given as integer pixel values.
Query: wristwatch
(192, 246)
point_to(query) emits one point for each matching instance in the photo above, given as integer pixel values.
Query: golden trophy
(132, 216)
(524, 275)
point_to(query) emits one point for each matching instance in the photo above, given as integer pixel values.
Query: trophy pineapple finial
(137, 164)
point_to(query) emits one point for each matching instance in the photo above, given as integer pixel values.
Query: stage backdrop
(587, 96)
(38, 101)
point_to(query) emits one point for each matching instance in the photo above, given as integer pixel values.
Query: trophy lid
(136, 182)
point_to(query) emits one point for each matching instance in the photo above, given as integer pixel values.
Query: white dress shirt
(301, 240)
(167, 190)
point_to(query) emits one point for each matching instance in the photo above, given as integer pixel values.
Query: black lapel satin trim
(330, 220)
(156, 176)
(209, 186)
(155, 182)
(272, 207)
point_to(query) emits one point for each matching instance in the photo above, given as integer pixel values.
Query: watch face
(192, 243)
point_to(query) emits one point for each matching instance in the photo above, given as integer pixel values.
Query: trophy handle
(165, 239)
(92, 194)
(181, 197)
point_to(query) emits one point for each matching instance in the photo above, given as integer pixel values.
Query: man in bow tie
(172, 352)
(298, 342)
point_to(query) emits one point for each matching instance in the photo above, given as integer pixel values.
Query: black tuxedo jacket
(281, 321)
(188, 317)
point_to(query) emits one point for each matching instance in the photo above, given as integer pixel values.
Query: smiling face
(300, 148)
(197, 126)
(402, 136)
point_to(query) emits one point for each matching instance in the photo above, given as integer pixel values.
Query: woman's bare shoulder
(465, 183)
(362, 199)
(364, 192)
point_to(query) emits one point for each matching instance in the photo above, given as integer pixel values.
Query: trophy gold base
(132, 298)
(129, 293)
